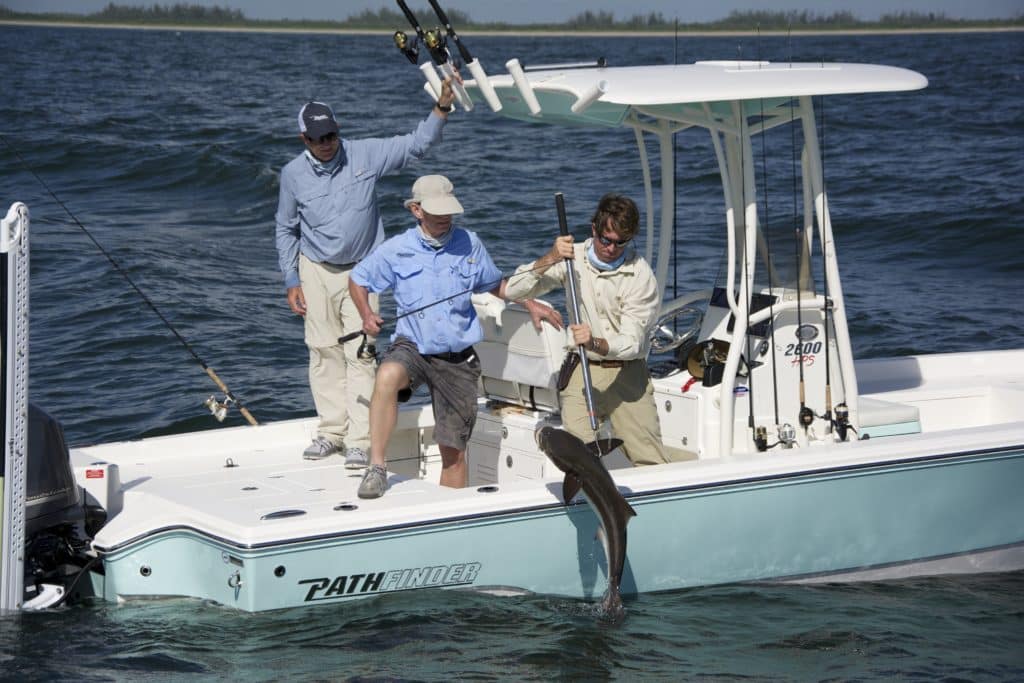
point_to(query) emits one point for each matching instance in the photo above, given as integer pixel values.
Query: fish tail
(611, 604)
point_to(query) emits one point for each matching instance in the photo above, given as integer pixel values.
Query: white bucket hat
(434, 193)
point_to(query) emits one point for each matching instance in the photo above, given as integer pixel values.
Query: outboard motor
(54, 514)
(52, 496)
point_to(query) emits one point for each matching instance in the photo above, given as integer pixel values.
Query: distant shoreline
(516, 32)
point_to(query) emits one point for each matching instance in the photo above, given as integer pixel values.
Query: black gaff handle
(443, 18)
(574, 313)
(563, 223)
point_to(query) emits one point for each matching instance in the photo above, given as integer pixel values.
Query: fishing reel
(787, 435)
(761, 439)
(806, 417)
(407, 46)
(842, 421)
(366, 350)
(219, 409)
(437, 44)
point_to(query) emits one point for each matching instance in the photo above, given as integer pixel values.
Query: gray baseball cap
(316, 119)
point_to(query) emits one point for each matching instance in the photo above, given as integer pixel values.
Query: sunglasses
(330, 137)
(607, 242)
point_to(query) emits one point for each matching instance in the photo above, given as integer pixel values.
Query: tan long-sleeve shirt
(620, 305)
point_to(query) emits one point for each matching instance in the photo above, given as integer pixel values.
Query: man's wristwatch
(444, 109)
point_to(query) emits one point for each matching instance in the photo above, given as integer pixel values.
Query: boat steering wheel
(663, 338)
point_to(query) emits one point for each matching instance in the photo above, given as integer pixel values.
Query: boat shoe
(356, 458)
(375, 482)
(320, 449)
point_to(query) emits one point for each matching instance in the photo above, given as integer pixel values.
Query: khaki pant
(340, 381)
(626, 396)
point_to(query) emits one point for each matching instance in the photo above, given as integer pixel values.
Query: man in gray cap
(327, 221)
(431, 263)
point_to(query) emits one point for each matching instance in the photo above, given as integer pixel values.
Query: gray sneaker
(320, 449)
(375, 482)
(356, 458)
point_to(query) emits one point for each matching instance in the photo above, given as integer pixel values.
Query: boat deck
(247, 485)
(250, 486)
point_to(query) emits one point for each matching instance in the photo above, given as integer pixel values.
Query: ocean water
(166, 146)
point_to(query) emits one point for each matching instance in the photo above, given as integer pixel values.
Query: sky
(530, 11)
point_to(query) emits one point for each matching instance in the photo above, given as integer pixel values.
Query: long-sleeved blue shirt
(332, 216)
(421, 275)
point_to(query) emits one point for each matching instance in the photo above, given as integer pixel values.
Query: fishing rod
(839, 419)
(403, 44)
(217, 408)
(439, 57)
(760, 433)
(353, 335)
(436, 45)
(472, 64)
(806, 416)
(574, 314)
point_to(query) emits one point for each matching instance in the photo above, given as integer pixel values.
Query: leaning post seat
(519, 365)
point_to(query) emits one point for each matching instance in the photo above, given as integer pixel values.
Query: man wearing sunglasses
(618, 306)
(327, 221)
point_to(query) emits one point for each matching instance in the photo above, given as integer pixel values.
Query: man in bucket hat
(327, 221)
(433, 262)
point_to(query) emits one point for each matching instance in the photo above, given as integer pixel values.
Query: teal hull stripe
(647, 496)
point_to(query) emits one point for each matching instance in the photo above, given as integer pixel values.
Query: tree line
(388, 19)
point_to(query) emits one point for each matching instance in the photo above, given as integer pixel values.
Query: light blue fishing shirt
(420, 275)
(329, 211)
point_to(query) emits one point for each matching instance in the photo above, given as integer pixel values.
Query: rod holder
(515, 69)
(461, 95)
(433, 81)
(593, 94)
(484, 83)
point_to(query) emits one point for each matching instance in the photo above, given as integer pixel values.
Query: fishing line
(218, 409)
(799, 243)
(472, 290)
(771, 279)
(675, 203)
(824, 273)
(747, 279)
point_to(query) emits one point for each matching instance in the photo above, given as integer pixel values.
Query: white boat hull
(876, 509)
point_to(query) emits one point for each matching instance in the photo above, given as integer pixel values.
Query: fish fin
(570, 487)
(600, 447)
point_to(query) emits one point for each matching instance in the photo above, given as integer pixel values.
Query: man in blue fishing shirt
(432, 269)
(327, 221)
